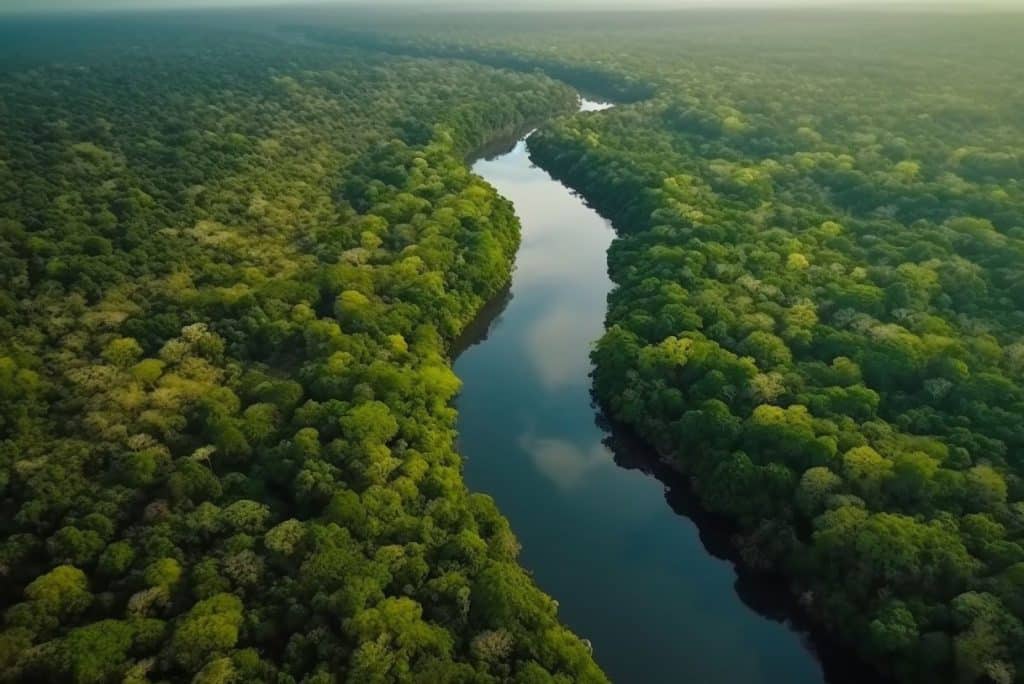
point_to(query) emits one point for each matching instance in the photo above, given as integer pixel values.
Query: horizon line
(534, 7)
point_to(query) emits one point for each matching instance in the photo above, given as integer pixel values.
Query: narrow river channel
(630, 574)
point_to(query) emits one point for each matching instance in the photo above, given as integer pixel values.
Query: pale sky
(50, 5)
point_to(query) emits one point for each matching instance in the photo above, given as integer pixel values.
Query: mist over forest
(32, 6)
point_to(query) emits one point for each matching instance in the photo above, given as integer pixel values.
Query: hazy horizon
(42, 6)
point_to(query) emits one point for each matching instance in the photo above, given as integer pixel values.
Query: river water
(629, 572)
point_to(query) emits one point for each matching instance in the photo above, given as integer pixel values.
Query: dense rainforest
(231, 267)
(819, 302)
(233, 261)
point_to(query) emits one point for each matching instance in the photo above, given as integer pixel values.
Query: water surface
(630, 573)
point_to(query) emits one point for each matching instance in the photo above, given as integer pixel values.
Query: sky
(61, 5)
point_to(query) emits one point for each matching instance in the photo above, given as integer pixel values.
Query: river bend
(629, 573)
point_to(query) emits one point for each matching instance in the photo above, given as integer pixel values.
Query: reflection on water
(563, 462)
(629, 573)
(549, 340)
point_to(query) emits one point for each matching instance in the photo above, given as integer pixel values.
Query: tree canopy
(232, 269)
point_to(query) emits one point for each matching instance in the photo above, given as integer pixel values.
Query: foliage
(818, 311)
(231, 269)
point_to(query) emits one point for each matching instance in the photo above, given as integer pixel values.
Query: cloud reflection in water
(558, 346)
(563, 462)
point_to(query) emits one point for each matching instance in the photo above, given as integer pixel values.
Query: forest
(818, 306)
(233, 263)
(818, 309)
(231, 271)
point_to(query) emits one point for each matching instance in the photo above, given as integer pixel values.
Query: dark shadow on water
(486, 320)
(769, 595)
(500, 146)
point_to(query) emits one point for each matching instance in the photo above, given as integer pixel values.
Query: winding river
(629, 572)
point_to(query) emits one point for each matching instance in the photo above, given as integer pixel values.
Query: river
(629, 572)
